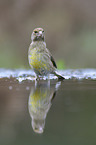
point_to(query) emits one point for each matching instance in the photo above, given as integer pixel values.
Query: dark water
(47, 112)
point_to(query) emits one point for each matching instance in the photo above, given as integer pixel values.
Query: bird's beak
(40, 33)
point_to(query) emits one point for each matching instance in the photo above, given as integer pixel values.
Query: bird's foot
(38, 78)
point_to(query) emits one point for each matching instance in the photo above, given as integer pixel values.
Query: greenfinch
(40, 58)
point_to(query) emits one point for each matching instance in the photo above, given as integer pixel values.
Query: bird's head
(37, 34)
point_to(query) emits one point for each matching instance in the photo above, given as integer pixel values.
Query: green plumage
(40, 59)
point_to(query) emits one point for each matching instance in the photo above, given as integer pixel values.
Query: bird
(40, 58)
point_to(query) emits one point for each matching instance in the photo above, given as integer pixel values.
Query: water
(48, 112)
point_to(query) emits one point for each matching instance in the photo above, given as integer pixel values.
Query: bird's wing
(53, 61)
(51, 58)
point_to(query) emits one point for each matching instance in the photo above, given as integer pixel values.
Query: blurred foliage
(70, 30)
(60, 64)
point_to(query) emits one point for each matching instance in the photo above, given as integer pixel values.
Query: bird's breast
(36, 59)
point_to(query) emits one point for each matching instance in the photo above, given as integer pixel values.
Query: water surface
(62, 112)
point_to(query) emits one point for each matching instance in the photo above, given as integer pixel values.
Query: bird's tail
(59, 76)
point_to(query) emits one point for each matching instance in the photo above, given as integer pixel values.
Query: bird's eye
(35, 31)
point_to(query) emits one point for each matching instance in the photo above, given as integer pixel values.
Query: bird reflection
(40, 101)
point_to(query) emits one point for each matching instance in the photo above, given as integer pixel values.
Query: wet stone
(21, 75)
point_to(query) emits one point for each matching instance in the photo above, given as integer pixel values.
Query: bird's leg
(37, 78)
(48, 77)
